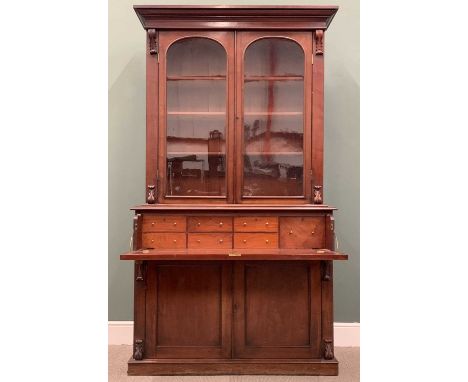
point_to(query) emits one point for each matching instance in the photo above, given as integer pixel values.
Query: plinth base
(233, 367)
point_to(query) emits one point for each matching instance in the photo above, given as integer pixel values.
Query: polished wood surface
(234, 247)
(234, 254)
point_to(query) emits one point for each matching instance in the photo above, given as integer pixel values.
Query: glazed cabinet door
(273, 116)
(277, 309)
(196, 114)
(188, 310)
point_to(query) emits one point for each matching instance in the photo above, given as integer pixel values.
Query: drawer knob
(198, 224)
(198, 240)
(244, 241)
(220, 224)
(245, 224)
(290, 232)
(266, 223)
(175, 223)
(220, 241)
(267, 241)
(313, 232)
(175, 241)
(152, 224)
(152, 240)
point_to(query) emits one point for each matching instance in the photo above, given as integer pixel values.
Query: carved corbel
(151, 195)
(319, 41)
(318, 195)
(153, 41)
(138, 350)
(326, 270)
(140, 270)
(136, 243)
(328, 349)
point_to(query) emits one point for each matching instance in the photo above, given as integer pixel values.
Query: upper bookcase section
(235, 17)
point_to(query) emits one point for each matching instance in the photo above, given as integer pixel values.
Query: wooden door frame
(166, 39)
(243, 40)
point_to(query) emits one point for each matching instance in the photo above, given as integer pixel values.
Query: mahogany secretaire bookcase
(234, 247)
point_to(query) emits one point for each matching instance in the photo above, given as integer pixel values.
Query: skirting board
(346, 334)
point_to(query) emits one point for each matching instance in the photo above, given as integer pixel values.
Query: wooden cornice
(235, 17)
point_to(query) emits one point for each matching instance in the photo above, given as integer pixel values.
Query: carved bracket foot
(328, 349)
(138, 350)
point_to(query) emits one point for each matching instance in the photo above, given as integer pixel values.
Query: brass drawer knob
(244, 241)
(175, 241)
(152, 224)
(267, 241)
(152, 240)
(220, 241)
(220, 224)
(291, 232)
(266, 223)
(198, 240)
(313, 232)
(175, 223)
(198, 224)
(245, 224)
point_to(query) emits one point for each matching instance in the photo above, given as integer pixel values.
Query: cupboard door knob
(198, 224)
(244, 241)
(220, 241)
(290, 232)
(245, 224)
(220, 224)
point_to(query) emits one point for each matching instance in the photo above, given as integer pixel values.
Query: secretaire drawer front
(164, 240)
(256, 224)
(255, 240)
(209, 224)
(164, 223)
(209, 240)
(302, 232)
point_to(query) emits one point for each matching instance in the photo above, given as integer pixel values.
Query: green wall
(127, 144)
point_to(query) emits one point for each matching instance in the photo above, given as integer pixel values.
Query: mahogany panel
(255, 240)
(164, 240)
(277, 310)
(209, 224)
(209, 240)
(302, 232)
(193, 311)
(256, 224)
(170, 223)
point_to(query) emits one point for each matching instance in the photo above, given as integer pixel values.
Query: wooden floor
(119, 355)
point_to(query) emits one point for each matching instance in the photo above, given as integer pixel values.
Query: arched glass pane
(273, 118)
(196, 118)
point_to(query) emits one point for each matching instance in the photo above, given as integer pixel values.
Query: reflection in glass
(196, 119)
(273, 118)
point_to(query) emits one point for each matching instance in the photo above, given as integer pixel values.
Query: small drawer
(164, 240)
(209, 224)
(209, 240)
(256, 224)
(152, 223)
(302, 232)
(255, 240)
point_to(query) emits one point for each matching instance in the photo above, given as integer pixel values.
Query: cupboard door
(274, 77)
(277, 309)
(196, 77)
(188, 310)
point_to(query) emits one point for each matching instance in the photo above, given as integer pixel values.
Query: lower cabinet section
(232, 310)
